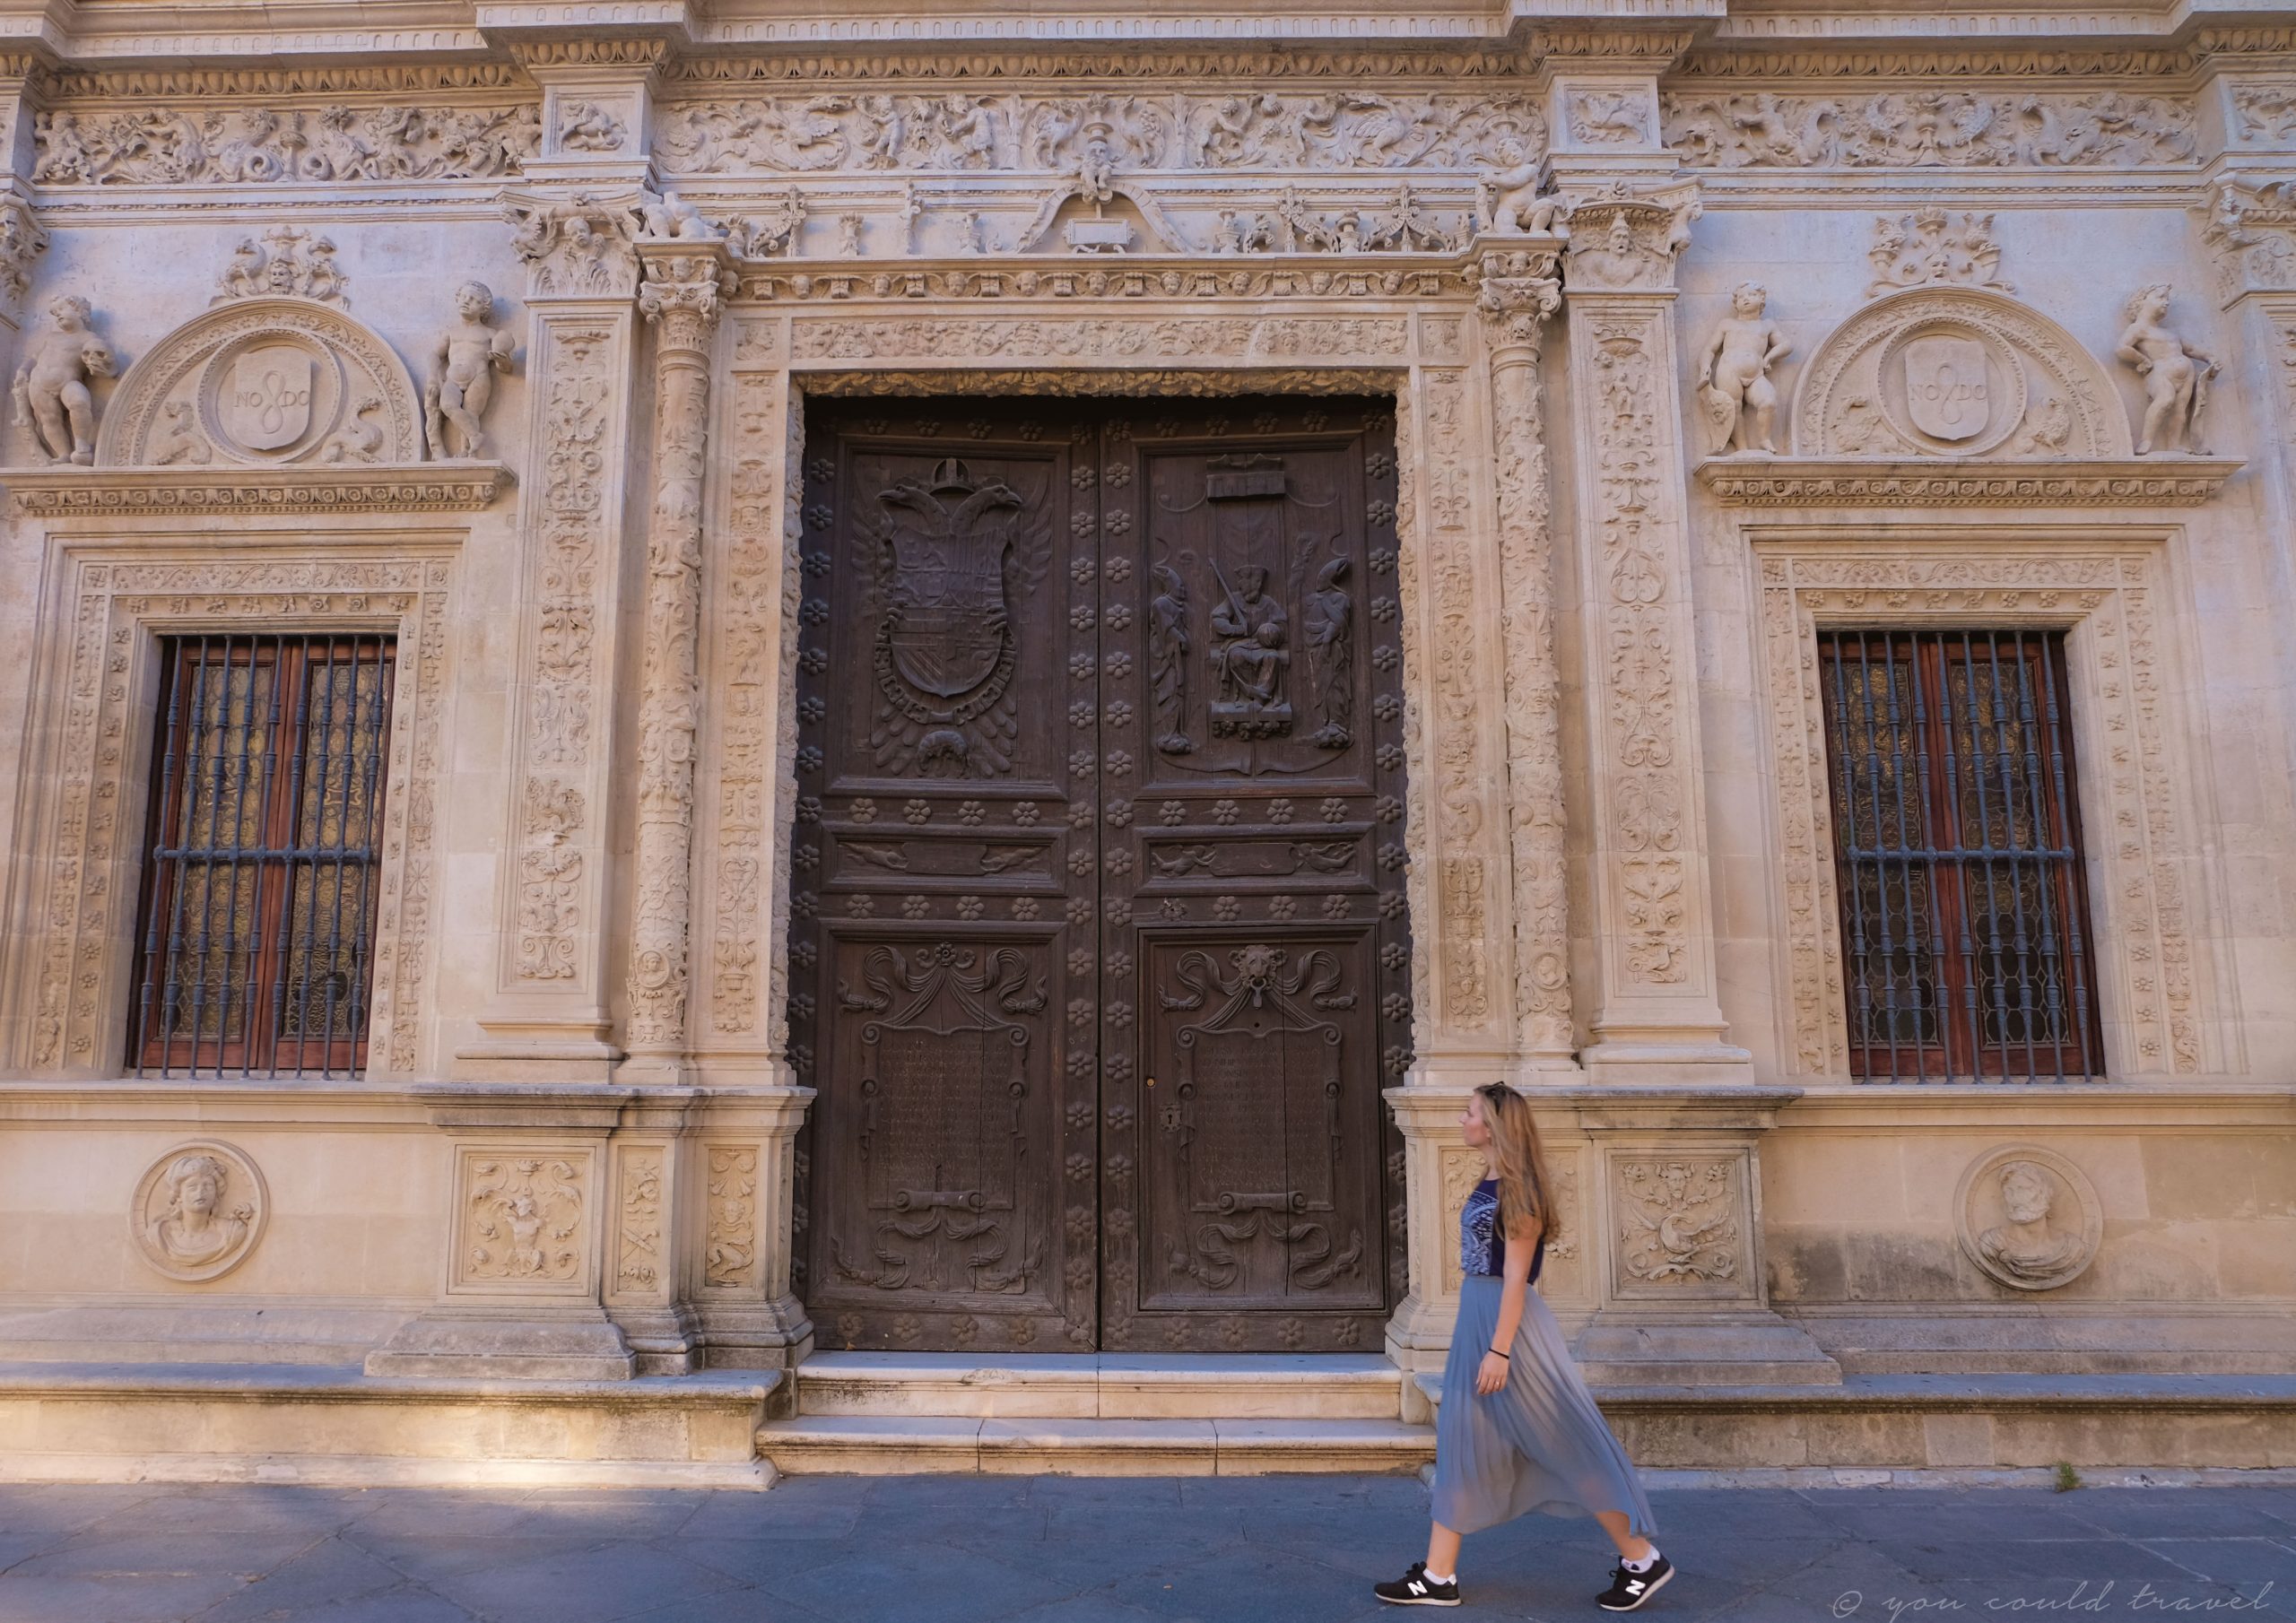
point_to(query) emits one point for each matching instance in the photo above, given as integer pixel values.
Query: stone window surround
(110, 597)
(2113, 590)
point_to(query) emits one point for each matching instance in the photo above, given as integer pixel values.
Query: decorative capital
(577, 248)
(2248, 227)
(1625, 242)
(1516, 290)
(685, 286)
(22, 239)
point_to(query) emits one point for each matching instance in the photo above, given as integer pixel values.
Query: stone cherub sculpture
(52, 391)
(670, 217)
(2176, 374)
(1511, 202)
(1734, 383)
(464, 359)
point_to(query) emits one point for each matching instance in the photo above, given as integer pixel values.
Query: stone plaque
(1946, 390)
(198, 1211)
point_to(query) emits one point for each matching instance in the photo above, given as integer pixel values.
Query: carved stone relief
(1929, 129)
(2264, 112)
(1622, 240)
(640, 1260)
(288, 262)
(1929, 248)
(78, 960)
(22, 239)
(523, 1220)
(170, 146)
(1733, 386)
(199, 1211)
(2150, 983)
(576, 249)
(1610, 117)
(969, 132)
(729, 1249)
(1682, 1225)
(1954, 372)
(265, 383)
(464, 359)
(2028, 1217)
(2249, 230)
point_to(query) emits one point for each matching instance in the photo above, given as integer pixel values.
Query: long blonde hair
(1517, 1162)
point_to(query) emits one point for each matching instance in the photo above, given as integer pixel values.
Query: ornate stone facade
(1707, 332)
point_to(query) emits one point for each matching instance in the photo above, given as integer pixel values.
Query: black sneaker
(1415, 1588)
(1629, 1590)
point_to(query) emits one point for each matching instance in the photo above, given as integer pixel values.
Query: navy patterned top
(1483, 1242)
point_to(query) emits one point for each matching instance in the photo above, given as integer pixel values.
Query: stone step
(1100, 1387)
(889, 1445)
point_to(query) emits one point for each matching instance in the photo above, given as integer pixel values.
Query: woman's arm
(1522, 1248)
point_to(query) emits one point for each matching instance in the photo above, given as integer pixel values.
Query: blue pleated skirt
(1538, 1443)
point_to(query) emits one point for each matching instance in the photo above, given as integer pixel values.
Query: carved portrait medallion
(198, 1211)
(2028, 1217)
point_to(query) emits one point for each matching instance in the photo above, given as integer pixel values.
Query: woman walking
(1519, 1431)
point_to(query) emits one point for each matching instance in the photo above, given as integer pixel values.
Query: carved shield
(1947, 392)
(266, 403)
(944, 595)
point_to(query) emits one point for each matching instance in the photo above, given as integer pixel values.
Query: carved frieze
(973, 131)
(199, 1211)
(170, 146)
(1928, 128)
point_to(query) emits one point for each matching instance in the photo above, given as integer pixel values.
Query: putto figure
(1734, 383)
(464, 359)
(2176, 374)
(52, 393)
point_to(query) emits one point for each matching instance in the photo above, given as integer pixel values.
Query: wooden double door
(1098, 952)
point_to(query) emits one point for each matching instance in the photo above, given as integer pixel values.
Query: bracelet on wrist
(1497, 1354)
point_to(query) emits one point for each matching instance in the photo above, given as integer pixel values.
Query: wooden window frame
(262, 1045)
(1966, 988)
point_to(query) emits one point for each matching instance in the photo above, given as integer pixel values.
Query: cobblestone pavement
(1060, 1550)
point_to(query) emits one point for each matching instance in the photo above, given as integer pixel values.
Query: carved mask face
(1621, 235)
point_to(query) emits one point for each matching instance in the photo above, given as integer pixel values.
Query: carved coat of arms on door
(952, 556)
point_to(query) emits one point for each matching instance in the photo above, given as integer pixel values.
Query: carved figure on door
(1326, 620)
(1249, 657)
(1168, 646)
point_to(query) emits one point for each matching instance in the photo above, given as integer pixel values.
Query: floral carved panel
(77, 949)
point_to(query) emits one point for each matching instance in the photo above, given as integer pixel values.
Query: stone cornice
(65, 491)
(1125, 277)
(1879, 481)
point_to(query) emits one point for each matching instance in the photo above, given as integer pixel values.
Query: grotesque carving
(198, 1212)
(1928, 129)
(1627, 240)
(2176, 374)
(576, 248)
(288, 260)
(22, 239)
(464, 359)
(588, 127)
(1929, 245)
(169, 146)
(51, 390)
(1734, 382)
(670, 217)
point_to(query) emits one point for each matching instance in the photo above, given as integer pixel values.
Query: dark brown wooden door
(1098, 952)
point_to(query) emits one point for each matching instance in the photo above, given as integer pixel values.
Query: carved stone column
(23, 238)
(684, 286)
(1656, 1017)
(1517, 292)
(548, 1019)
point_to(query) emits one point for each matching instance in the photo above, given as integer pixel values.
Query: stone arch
(265, 383)
(1953, 372)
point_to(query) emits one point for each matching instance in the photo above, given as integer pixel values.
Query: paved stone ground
(1057, 1549)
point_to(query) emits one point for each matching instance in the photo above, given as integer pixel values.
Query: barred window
(257, 916)
(1957, 842)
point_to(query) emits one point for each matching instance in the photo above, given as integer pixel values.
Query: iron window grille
(255, 944)
(1957, 847)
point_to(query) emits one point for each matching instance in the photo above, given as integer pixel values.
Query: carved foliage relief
(1929, 129)
(171, 146)
(570, 519)
(639, 1264)
(1642, 702)
(80, 959)
(1682, 1223)
(524, 1218)
(2148, 957)
(973, 131)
